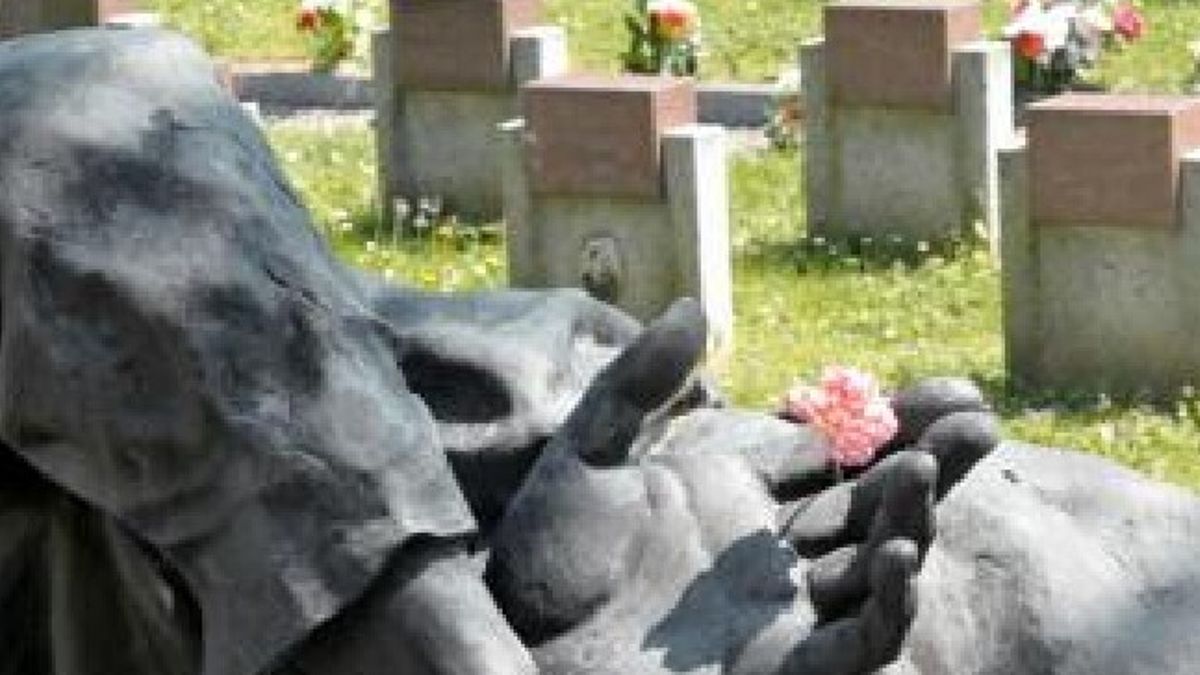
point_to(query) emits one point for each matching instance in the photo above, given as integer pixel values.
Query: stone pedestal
(905, 109)
(1101, 243)
(446, 74)
(610, 185)
(21, 17)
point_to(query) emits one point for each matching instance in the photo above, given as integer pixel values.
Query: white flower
(1096, 18)
(1053, 24)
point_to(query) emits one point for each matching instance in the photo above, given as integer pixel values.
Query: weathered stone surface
(182, 356)
(1055, 562)
(896, 53)
(457, 44)
(1103, 307)
(601, 135)
(1099, 159)
(859, 158)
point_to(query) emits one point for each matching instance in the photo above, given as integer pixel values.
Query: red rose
(1030, 45)
(308, 19)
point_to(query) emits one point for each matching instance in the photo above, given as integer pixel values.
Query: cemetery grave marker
(446, 74)
(905, 108)
(611, 185)
(1101, 243)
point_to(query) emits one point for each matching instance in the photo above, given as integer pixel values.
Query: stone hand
(714, 541)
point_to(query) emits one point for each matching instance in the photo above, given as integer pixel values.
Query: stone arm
(624, 489)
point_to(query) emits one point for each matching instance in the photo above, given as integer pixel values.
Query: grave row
(605, 182)
(608, 182)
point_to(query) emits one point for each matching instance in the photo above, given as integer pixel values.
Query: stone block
(859, 160)
(1100, 309)
(602, 135)
(21, 17)
(1099, 159)
(640, 254)
(107, 9)
(896, 53)
(457, 44)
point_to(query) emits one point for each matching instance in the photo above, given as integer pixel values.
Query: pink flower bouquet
(849, 410)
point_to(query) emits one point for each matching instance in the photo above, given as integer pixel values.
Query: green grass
(747, 40)
(1161, 61)
(800, 304)
(246, 29)
(334, 169)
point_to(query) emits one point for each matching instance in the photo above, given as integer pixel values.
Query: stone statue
(224, 453)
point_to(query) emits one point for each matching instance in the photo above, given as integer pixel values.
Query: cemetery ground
(901, 311)
(747, 41)
(800, 303)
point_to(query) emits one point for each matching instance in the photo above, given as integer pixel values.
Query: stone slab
(1101, 159)
(602, 135)
(896, 52)
(735, 104)
(107, 9)
(21, 17)
(457, 44)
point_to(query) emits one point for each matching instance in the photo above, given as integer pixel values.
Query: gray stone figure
(224, 450)
(224, 453)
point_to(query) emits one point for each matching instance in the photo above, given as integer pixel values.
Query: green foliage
(330, 39)
(649, 53)
(247, 29)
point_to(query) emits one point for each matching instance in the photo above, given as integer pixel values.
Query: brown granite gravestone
(1109, 159)
(457, 44)
(602, 135)
(20, 17)
(111, 8)
(896, 53)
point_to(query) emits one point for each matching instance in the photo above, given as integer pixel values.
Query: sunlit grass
(800, 304)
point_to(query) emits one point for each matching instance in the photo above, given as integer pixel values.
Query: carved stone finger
(919, 406)
(904, 509)
(647, 376)
(859, 644)
(958, 441)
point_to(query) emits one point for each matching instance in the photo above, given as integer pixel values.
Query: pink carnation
(849, 410)
(1128, 22)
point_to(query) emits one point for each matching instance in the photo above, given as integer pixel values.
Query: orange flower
(673, 20)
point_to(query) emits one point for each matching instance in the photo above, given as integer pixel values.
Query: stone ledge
(292, 85)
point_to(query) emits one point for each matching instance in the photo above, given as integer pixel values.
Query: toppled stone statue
(223, 453)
